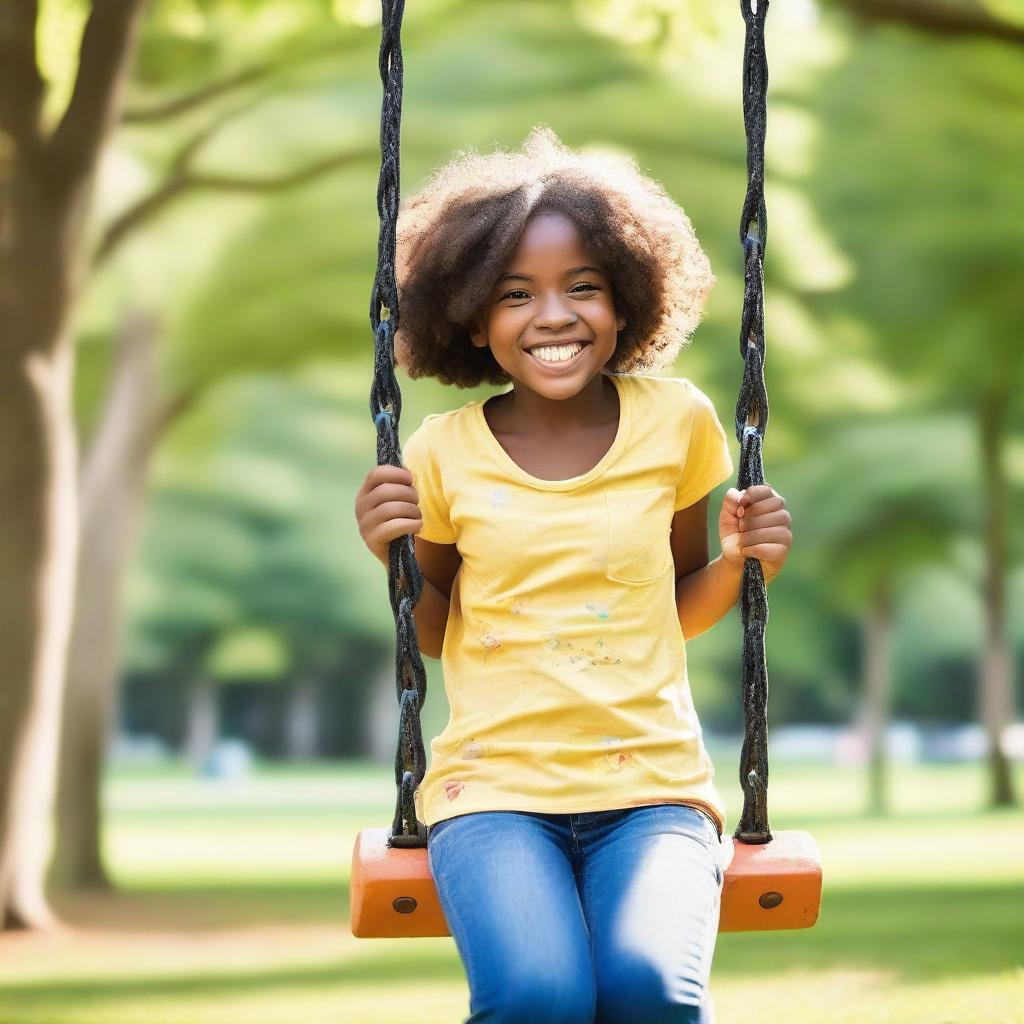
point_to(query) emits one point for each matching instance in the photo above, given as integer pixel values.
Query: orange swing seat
(771, 886)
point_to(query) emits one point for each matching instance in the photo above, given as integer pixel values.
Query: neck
(534, 415)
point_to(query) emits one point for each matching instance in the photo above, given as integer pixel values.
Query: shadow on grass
(918, 936)
(205, 908)
(425, 965)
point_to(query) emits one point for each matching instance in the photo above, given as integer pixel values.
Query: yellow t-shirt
(563, 658)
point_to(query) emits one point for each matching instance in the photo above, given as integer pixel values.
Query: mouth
(555, 357)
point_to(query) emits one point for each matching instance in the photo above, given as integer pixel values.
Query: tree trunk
(877, 699)
(37, 553)
(203, 728)
(996, 669)
(38, 543)
(113, 479)
(302, 721)
(46, 187)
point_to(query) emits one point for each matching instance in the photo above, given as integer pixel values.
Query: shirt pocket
(639, 522)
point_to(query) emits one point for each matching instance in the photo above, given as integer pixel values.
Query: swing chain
(405, 582)
(751, 421)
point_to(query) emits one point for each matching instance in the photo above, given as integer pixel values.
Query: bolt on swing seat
(773, 880)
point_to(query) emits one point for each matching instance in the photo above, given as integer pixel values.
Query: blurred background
(198, 693)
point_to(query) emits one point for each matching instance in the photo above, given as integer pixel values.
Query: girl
(575, 833)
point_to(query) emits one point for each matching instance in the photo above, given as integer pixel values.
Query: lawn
(233, 907)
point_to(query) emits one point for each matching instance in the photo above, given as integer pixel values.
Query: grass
(233, 907)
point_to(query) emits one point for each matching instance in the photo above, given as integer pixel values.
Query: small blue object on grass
(229, 759)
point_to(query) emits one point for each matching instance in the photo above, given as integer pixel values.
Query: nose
(554, 315)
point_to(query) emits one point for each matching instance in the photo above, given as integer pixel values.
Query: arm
(753, 523)
(704, 592)
(439, 564)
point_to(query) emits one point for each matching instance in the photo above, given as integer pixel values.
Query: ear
(620, 322)
(477, 332)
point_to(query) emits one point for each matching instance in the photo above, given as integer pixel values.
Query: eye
(519, 291)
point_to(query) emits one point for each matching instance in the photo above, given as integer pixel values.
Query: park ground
(232, 906)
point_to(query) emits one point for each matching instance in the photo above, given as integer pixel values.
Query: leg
(507, 887)
(651, 889)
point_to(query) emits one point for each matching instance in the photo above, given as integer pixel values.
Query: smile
(557, 356)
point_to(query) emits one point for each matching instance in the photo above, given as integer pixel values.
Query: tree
(912, 208)
(45, 256)
(134, 414)
(47, 188)
(875, 523)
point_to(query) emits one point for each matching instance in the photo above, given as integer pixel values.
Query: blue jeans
(608, 917)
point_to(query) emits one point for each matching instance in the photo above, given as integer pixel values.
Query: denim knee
(640, 992)
(560, 1000)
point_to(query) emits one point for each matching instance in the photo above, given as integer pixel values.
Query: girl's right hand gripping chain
(387, 506)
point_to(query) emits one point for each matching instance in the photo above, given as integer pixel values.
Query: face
(552, 292)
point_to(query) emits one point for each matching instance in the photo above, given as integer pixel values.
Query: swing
(774, 879)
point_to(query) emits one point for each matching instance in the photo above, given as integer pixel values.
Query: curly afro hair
(460, 231)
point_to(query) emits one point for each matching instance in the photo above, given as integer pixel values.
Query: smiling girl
(575, 832)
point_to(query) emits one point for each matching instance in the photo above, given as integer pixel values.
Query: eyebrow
(526, 277)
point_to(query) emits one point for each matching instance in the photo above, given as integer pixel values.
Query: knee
(558, 1000)
(641, 991)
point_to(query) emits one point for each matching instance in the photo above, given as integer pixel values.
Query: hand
(755, 523)
(387, 506)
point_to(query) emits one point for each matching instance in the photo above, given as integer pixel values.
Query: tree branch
(188, 150)
(106, 55)
(140, 212)
(290, 179)
(181, 178)
(185, 181)
(21, 87)
(167, 412)
(174, 407)
(186, 102)
(940, 17)
(236, 80)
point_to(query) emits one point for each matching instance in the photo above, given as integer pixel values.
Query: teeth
(556, 353)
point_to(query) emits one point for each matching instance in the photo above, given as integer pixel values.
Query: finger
(373, 499)
(780, 517)
(376, 518)
(766, 552)
(731, 499)
(769, 535)
(386, 473)
(755, 492)
(394, 510)
(395, 528)
(770, 504)
(394, 492)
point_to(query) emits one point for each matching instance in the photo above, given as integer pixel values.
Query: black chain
(751, 421)
(405, 582)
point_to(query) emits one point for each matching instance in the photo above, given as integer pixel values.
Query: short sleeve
(707, 462)
(419, 458)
